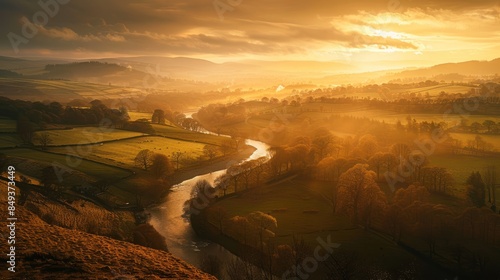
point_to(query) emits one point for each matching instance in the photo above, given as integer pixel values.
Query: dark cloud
(194, 27)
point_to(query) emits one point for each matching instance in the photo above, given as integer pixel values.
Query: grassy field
(8, 140)
(86, 135)
(461, 166)
(60, 89)
(179, 133)
(7, 125)
(464, 137)
(124, 151)
(139, 115)
(91, 168)
(292, 198)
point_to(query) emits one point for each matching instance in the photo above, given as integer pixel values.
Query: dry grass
(85, 216)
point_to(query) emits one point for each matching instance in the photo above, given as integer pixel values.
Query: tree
(25, 129)
(177, 158)
(44, 139)
(161, 166)
(476, 189)
(489, 124)
(158, 116)
(490, 182)
(102, 185)
(210, 151)
(321, 142)
(264, 223)
(376, 162)
(358, 192)
(144, 159)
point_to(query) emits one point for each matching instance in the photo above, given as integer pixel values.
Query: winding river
(169, 220)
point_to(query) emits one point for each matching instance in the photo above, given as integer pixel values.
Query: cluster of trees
(158, 164)
(162, 116)
(32, 116)
(485, 127)
(216, 115)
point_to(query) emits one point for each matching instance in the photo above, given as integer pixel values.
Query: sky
(394, 32)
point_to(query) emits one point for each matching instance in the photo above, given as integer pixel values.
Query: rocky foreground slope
(45, 251)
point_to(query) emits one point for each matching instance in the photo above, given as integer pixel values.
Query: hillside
(452, 70)
(52, 252)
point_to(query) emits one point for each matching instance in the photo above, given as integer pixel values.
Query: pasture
(94, 169)
(9, 140)
(461, 166)
(61, 90)
(186, 135)
(86, 135)
(7, 125)
(123, 152)
(464, 137)
(301, 212)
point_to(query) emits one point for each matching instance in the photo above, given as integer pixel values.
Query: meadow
(187, 135)
(62, 90)
(461, 167)
(301, 212)
(94, 169)
(86, 135)
(9, 140)
(123, 152)
(7, 125)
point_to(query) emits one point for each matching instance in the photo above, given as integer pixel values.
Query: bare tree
(44, 139)
(210, 151)
(177, 158)
(144, 159)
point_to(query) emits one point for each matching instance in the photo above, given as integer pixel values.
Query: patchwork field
(7, 125)
(87, 135)
(179, 133)
(94, 169)
(461, 166)
(8, 140)
(62, 90)
(124, 151)
(464, 137)
(287, 203)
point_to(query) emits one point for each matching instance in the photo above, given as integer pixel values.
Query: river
(169, 220)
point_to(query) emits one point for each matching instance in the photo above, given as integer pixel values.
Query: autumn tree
(265, 224)
(358, 193)
(210, 151)
(476, 189)
(321, 142)
(144, 159)
(490, 183)
(158, 116)
(161, 166)
(25, 129)
(176, 156)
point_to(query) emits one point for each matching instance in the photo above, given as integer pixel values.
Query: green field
(464, 137)
(61, 90)
(86, 135)
(7, 125)
(124, 151)
(8, 140)
(179, 133)
(292, 198)
(139, 115)
(91, 168)
(461, 166)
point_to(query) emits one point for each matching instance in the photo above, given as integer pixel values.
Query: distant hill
(452, 71)
(9, 74)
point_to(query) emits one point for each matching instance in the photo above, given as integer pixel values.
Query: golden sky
(369, 34)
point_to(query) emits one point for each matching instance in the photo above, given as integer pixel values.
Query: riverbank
(214, 165)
